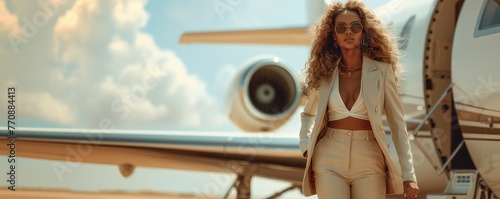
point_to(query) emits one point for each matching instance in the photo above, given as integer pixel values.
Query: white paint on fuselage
(475, 62)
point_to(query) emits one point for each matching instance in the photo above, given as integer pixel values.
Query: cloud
(130, 13)
(41, 104)
(8, 23)
(94, 63)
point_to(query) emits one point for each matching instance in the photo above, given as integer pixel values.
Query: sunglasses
(341, 28)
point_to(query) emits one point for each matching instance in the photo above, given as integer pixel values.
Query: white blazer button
(376, 109)
(382, 127)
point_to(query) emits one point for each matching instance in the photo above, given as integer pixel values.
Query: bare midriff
(350, 123)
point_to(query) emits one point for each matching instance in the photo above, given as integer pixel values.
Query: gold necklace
(355, 67)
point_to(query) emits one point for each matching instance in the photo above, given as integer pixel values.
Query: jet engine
(264, 95)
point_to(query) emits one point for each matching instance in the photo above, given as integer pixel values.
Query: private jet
(451, 99)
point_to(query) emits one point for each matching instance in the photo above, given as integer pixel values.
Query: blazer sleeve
(397, 124)
(308, 117)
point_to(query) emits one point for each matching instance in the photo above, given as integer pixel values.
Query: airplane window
(405, 33)
(491, 15)
(489, 21)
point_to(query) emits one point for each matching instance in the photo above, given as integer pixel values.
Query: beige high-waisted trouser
(349, 164)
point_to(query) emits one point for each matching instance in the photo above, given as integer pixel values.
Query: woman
(351, 78)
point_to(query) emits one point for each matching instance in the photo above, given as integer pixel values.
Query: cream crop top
(337, 109)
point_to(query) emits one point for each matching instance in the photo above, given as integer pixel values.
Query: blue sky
(75, 63)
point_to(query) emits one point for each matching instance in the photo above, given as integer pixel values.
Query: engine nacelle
(264, 95)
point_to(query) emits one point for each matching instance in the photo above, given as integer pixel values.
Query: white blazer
(380, 92)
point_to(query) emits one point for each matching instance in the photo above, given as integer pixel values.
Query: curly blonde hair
(324, 56)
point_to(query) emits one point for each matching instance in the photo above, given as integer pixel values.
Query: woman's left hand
(411, 189)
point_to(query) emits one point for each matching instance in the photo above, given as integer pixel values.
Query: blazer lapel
(324, 94)
(369, 80)
(324, 91)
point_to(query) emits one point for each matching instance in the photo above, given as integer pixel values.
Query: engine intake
(264, 96)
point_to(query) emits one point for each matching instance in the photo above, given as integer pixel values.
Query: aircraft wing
(272, 155)
(284, 36)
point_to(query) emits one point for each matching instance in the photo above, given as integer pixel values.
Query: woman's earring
(335, 44)
(365, 40)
